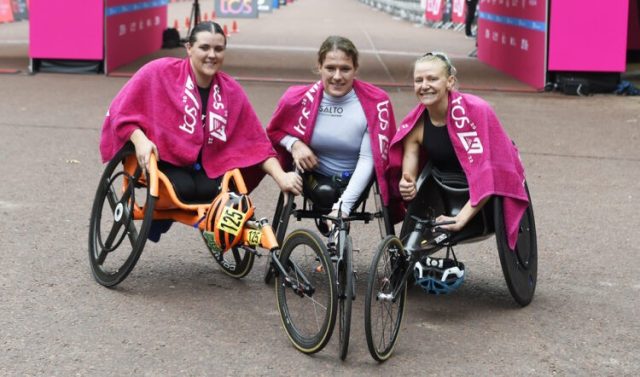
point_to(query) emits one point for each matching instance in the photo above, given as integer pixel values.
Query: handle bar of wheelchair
(237, 179)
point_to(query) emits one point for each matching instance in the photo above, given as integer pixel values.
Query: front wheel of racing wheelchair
(319, 195)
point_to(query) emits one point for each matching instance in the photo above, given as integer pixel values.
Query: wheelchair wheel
(308, 319)
(116, 238)
(236, 262)
(519, 266)
(382, 315)
(345, 294)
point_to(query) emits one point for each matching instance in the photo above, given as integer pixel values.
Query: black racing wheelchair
(401, 260)
(311, 323)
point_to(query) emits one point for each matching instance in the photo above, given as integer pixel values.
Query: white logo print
(301, 126)
(190, 108)
(383, 118)
(217, 126)
(217, 123)
(471, 142)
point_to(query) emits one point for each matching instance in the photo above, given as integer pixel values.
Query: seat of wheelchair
(446, 193)
(185, 188)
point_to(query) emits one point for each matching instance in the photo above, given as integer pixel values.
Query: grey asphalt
(178, 314)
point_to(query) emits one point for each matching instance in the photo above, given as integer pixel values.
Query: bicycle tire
(306, 251)
(381, 327)
(345, 294)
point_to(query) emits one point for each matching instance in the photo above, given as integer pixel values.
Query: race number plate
(231, 221)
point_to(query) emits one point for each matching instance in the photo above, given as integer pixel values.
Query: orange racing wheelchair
(128, 200)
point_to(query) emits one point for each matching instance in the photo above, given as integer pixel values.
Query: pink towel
(488, 157)
(297, 111)
(162, 100)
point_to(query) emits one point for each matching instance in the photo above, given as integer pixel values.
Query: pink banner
(69, 29)
(588, 38)
(133, 29)
(434, 10)
(458, 11)
(512, 37)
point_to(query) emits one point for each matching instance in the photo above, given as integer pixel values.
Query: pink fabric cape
(296, 115)
(488, 157)
(162, 100)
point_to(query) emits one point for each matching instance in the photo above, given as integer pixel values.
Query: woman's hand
(144, 147)
(463, 217)
(457, 226)
(289, 182)
(303, 156)
(408, 188)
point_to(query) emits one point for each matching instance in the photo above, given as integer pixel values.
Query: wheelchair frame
(161, 202)
(396, 257)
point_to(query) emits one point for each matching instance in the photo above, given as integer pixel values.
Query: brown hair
(210, 26)
(336, 42)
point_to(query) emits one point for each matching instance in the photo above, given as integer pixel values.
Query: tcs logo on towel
(469, 139)
(383, 119)
(217, 122)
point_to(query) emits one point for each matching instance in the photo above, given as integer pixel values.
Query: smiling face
(206, 55)
(431, 83)
(337, 72)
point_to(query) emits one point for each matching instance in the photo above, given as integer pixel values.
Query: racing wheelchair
(319, 194)
(127, 202)
(401, 260)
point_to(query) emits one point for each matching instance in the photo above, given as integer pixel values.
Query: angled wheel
(519, 266)
(382, 312)
(308, 315)
(345, 293)
(236, 262)
(120, 220)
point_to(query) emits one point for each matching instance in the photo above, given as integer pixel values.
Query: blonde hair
(441, 57)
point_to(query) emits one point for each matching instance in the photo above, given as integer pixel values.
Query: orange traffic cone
(213, 15)
(187, 23)
(176, 24)
(206, 17)
(226, 31)
(234, 27)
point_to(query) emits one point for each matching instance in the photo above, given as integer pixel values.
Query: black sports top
(437, 144)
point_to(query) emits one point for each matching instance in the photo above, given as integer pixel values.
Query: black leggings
(190, 184)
